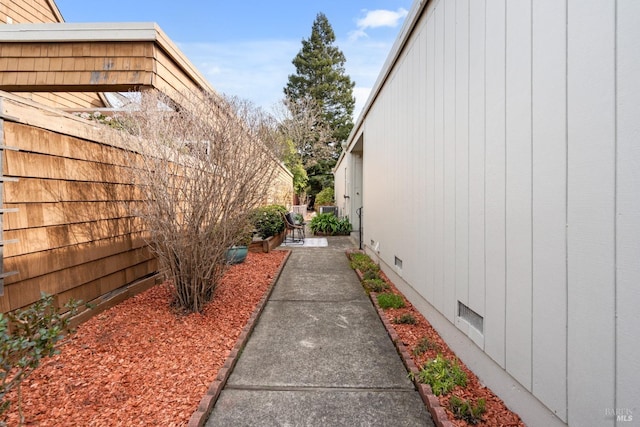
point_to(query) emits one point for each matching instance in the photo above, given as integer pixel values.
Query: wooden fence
(66, 223)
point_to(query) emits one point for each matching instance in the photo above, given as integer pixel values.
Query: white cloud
(258, 70)
(376, 19)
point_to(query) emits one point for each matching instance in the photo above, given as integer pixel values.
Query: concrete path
(319, 355)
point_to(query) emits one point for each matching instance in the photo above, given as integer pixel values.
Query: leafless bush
(201, 166)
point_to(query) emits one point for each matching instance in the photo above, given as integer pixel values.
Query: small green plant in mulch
(370, 275)
(424, 345)
(375, 285)
(362, 262)
(442, 375)
(466, 410)
(389, 300)
(27, 336)
(405, 319)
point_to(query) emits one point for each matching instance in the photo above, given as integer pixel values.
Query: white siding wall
(591, 145)
(518, 190)
(495, 189)
(341, 185)
(628, 207)
(502, 165)
(549, 214)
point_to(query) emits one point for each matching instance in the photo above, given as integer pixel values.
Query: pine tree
(320, 75)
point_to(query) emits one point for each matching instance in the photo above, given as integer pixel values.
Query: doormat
(315, 242)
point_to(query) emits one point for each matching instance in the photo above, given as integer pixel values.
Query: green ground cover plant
(424, 345)
(362, 262)
(371, 275)
(375, 285)
(442, 375)
(466, 410)
(405, 319)
(389, 300)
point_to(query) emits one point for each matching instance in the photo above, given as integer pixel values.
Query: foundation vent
(398, 263)
(473, 318)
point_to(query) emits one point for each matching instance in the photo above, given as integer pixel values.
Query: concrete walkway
(319, 355)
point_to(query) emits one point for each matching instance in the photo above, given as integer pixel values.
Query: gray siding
(502, 165)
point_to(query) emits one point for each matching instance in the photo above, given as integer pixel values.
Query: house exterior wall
(45, 11)
(28, 11)
(340, 191)
(501, 164)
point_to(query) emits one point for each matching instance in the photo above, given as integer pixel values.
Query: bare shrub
(201, 166)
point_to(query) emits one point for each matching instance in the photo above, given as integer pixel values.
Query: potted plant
(237, 253)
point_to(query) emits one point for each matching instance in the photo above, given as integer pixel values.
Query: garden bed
(421, 344)
(268, 244)
(139, 363)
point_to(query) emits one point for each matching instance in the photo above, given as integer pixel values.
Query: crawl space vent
(473, 318)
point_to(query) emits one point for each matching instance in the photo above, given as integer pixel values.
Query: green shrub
(375, 285)
(26, 337)
(442, 375)
(362, 262)
(344, 226)
(324, 197)
(466, 410)
(389, 300)
(330, 224)
(406, 319)
(268, 220)
(423, 345)
(324, 223)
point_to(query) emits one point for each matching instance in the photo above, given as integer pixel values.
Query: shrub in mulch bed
(141, 363)
(424, 344)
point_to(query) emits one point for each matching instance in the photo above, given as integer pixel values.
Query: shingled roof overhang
(94, 57)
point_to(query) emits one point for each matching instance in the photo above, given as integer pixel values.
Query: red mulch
(496, 415)
(139, 363)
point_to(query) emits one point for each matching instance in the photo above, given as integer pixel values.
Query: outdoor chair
(294, 231)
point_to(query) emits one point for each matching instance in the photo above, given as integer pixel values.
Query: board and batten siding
(501, 166)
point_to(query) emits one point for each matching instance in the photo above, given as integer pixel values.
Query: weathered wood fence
(66, 223)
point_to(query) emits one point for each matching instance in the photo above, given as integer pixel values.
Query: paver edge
(206, 404)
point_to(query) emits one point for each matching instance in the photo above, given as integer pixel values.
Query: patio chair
(294, 232)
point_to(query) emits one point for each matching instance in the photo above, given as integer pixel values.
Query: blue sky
(245, 48)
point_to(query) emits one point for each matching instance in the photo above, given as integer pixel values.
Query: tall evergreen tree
(320, 75)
